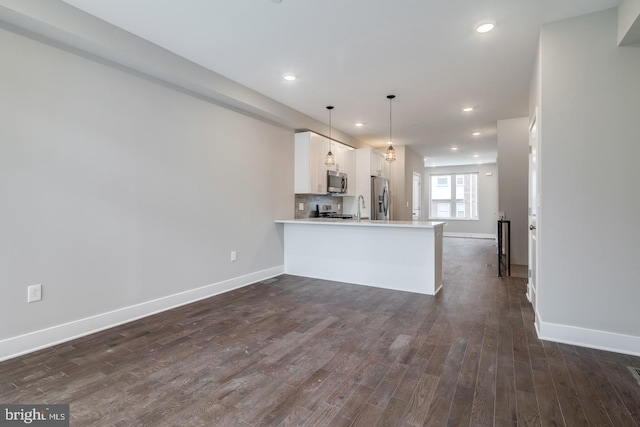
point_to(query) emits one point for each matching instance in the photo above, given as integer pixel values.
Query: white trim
(438, 290)
(531, 294)
(32, 341)
(591, 338)
(470, 235)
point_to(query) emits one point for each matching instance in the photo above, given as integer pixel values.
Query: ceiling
(352, 54)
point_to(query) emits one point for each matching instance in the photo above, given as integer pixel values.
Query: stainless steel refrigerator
(380, 198)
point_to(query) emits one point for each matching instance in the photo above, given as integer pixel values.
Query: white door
(417, 192)
(534, 206)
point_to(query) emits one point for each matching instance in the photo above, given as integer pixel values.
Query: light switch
(300, 206)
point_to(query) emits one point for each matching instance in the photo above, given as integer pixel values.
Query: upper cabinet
(378, 165)
(310, 171)
(345, 156)
(345, 163)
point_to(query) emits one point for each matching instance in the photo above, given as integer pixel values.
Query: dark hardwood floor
(304, 352)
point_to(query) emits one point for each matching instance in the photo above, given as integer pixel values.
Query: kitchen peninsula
(399, 255)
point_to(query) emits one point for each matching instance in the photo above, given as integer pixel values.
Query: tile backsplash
(310, 201)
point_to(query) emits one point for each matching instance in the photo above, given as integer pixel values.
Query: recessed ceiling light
(476, 134)
(485, 27)
(476, 155)
(454, 148)
(467, 109)
(359, 124)
(289, 77)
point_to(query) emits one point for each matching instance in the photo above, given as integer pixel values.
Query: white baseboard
(470, 235)
(27, 343)
(530, 292)
(591, 338)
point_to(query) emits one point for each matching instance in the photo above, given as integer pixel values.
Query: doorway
(417, 196)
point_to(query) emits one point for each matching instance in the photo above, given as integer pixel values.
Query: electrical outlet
(300, 206)
(233, 256)
(34, 293)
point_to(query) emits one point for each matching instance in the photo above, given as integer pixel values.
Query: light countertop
(363, 223)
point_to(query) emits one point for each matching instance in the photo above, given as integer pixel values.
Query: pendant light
(330, 160)
(390, 155)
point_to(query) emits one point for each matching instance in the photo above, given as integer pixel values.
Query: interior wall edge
(48, 337)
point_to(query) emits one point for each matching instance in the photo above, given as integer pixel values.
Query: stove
(335, 215)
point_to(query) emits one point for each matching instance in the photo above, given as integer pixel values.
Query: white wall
(588, 272)
(398, 186)
(629, 22)
(413, 163)
(486, 225)
(77, 31)
(407, 162)
(117, 191)
(513, 164)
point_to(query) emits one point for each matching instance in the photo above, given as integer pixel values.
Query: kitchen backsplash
(310, 201)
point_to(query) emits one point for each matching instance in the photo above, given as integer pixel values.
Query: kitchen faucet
(360, 197)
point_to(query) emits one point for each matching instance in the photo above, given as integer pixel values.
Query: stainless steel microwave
(336, 182)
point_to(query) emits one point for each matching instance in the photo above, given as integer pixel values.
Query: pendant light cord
(390, 118)
(330, 159)
(330, 107)
(390, 122)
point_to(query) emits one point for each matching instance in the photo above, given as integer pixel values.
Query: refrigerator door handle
(385, 202)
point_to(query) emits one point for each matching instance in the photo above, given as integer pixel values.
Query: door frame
(413, 196)
(534, 210)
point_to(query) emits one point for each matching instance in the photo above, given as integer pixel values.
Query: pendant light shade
(390, 154)
(330, 160)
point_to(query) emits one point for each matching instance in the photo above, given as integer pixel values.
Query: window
(443, 210)
(459, 201)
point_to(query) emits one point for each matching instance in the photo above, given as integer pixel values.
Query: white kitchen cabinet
(310, 172)
(338, 153)
(345, 159)
(379, 166)
(345, 163)
(349, 168)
